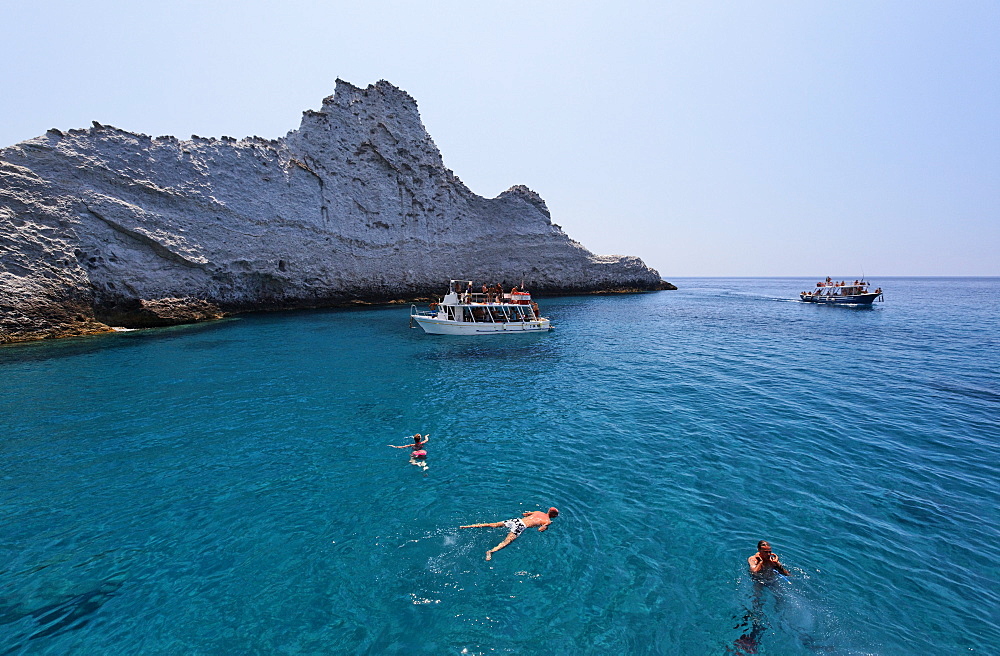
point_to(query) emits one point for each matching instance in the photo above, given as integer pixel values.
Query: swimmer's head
(763, 546)
(553, 512)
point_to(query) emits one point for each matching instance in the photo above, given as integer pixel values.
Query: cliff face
(106, 227)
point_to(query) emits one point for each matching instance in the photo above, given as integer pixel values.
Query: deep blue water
(227, 489)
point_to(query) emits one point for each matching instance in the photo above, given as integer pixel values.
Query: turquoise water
(226, 488)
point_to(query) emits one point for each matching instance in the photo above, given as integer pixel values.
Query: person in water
(517, 525)
(764, 561)
(419, 450)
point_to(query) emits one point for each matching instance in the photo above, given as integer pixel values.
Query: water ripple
(228, 488)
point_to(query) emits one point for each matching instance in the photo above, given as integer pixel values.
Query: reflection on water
(69, 612)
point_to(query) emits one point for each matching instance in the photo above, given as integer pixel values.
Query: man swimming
(517, 525)
(764, 561)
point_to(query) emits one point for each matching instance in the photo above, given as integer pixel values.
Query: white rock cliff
(104, 227)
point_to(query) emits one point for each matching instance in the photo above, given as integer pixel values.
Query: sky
(801, 138)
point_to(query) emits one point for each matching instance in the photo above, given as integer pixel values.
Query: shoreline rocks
(102, 226)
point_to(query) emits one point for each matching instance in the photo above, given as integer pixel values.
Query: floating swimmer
(419, 450)
(794, 612)
(419, 454)
(517, 525)
(765, 568)
(765, 563)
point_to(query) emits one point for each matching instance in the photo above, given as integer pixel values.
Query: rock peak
(346, 93)
(522, 192)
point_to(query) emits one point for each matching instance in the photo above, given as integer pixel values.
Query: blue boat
(842, 293)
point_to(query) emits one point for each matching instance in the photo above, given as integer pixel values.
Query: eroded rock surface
(102, 226)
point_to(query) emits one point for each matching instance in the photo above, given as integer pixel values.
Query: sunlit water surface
(226, 488)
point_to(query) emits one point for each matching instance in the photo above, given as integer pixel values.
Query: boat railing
(468, 298)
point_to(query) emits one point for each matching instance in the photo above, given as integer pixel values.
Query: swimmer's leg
(749, 642)
(507, 540)
(490, 525)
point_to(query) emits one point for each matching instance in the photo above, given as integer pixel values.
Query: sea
(228, 487)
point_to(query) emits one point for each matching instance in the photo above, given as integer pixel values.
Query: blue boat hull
(855, 299)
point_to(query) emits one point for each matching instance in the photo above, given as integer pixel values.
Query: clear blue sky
(709, 138)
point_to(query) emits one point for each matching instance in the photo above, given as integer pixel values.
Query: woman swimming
(419, 451)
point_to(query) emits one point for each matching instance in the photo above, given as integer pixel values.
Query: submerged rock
(102, 226)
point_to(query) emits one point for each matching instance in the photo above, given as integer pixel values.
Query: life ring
(434, 306)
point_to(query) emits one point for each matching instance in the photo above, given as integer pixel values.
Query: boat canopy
(841, 288)
(460, 293)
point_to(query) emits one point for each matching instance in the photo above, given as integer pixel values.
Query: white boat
(462, 312)
(841, 293)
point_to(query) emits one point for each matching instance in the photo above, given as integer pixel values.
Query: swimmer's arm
(777, 566)
(543, 527)
(756, 563)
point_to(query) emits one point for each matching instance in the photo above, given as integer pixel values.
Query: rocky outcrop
(102, 226)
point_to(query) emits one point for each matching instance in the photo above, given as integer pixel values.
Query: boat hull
(435, 326)
(855, 299)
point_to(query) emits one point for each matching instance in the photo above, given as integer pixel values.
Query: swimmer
(419, 450)
(764, 561)
(517, 525)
